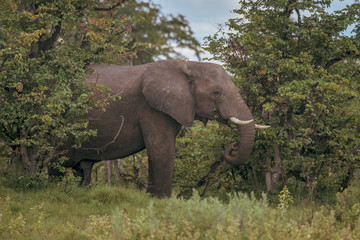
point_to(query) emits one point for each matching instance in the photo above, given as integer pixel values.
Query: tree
(299, 72)
(156, 35)
(45, 48)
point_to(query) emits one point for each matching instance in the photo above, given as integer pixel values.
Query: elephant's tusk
(240, 122)
(257, 126)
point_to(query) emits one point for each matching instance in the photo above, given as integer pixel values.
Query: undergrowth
(121, 213)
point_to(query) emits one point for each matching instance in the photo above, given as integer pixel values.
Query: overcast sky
(205, 15)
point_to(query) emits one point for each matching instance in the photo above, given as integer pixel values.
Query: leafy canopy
(299, 72)
(157, 35)
(45, 47)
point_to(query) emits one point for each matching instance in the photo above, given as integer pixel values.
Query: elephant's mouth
(212, 113)
(204, 120)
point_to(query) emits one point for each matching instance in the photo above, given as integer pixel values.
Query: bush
(89, 214)
(242, 218)
(198, 150)
(347, 208)
(191, 219)
(21, 181)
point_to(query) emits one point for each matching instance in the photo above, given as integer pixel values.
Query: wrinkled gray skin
(156, 99)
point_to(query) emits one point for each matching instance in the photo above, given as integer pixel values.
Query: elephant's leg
(159, 136)
(84, 171)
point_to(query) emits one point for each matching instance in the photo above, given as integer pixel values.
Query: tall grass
(120, 213)
(242, 218)
(51, 213)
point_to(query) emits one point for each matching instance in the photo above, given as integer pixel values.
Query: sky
(204, 16)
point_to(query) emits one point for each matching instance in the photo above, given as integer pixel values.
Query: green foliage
(199, 162)
(347, 207)
(298, 72)
(190, 219)
(45, 48)
(285, 199)
(118, 213)
(53, 213)
(157, 35)
(23, 182)
(197, 148)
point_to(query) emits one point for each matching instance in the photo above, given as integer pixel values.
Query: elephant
(156, 100)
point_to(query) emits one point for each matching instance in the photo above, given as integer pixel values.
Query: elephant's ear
(167, 88)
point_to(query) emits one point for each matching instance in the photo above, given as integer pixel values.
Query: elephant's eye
(216, 94)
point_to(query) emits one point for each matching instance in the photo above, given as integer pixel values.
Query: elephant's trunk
(246, 139)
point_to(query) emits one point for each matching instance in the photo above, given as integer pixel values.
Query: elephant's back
(115, 76)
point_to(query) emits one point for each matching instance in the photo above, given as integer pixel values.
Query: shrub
(90, 214)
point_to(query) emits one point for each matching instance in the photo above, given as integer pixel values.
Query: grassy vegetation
(103, 212)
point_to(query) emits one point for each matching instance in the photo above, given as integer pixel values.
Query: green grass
(121, 213)
(52, 213)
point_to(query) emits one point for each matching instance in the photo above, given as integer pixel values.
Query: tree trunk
(97, 170)
(268, 181)
(274, 171)
(108, 171)
(29, 160)
(117, 169)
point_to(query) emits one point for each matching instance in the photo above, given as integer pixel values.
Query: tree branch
(49, 43)
(3, 62)
(299, 16)
(8, 144)
(127, 28)
(330, 63)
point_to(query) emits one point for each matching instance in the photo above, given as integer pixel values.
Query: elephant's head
(194, 90)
